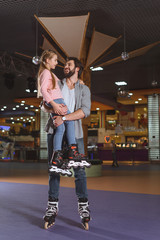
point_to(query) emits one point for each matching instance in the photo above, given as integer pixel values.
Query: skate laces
(52, 208)
(83, 210)
(58, 157)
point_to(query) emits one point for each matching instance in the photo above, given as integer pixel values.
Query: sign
(107, 139)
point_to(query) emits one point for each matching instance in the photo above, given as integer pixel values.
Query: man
(77, 99)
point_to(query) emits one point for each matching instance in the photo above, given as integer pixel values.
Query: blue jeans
(59, 132)
(79, 173)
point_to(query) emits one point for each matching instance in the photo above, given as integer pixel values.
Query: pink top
(48, 93)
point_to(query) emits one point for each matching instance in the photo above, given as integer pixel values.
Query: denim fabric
(79, 173)
(59, 132)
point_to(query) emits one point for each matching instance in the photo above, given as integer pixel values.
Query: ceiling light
(154, 83)
(13, 109)
(35, 90)
(139, 99)
(4, 107)
(17, 106)
(21, 118)
(31, 106)
(136, 101)
(124, 56)
(36, 60)
(26, 107)
(22, 104)
(130, 94)
(97, 109)
(121, 83)
(36, 110)
(27, 90)
(122, 92)
(22, 101)
(96, 68)
(12, 122)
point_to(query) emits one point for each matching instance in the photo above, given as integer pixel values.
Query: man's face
(69, 69)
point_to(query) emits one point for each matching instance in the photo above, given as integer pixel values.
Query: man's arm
(78, 114)
(82, 112)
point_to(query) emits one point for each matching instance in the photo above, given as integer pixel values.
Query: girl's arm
(58, 108)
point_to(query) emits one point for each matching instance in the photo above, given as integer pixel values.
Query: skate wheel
(47, 225)
(86, 226)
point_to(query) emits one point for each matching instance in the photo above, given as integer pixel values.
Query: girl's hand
(60, 109)
(81, 82)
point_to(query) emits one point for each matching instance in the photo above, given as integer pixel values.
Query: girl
(52, 97)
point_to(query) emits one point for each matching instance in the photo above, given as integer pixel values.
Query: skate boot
(59, 166)
(84, 212)
(75, 158)
(51, 213)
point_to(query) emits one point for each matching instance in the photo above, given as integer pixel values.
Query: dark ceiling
(142, 24)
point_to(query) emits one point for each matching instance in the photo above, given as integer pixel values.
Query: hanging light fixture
(36, 59)
(125, 54)
(154, 83)
(122, 92)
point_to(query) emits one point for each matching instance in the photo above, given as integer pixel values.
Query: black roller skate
(84, 212)
(59, 166)
(51, 213)
(75, 158)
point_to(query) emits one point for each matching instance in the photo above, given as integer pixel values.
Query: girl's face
(52, 62)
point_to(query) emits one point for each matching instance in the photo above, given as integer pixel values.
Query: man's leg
(53, 192)
(54, 180)
(80, 175)
(81, 190)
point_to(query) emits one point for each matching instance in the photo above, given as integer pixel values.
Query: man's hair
(77, 63)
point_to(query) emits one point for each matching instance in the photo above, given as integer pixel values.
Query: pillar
(154, 127)
(43, 135)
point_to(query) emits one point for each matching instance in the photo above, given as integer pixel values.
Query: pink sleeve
(46, 84)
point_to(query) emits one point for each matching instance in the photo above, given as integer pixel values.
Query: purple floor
(115, 215)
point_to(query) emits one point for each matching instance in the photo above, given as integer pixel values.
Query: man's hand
(57, 120)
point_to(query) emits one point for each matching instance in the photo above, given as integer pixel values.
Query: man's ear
(77, 69)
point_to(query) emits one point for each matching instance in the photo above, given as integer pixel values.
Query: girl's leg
(68, 125)
(70, 132)
(58, 137)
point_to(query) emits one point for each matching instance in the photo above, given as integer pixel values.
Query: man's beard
(70, 73)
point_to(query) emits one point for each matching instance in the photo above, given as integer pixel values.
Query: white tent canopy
(68, 32)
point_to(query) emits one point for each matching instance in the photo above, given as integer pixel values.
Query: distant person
(114, 154)
(145, 143)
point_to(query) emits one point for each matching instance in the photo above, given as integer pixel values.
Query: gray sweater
(82, 101)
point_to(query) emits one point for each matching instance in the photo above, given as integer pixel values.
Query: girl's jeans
(59, 132)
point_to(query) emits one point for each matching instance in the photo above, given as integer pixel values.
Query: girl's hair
(47, 54)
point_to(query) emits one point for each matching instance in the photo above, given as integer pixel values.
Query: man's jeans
(59, 132)
(79, 173)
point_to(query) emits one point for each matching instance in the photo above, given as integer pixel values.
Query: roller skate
(84, 212)
(51, 213)
(59, 166)
(75, 158)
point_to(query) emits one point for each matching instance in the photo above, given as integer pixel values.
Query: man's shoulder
(84, 87)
